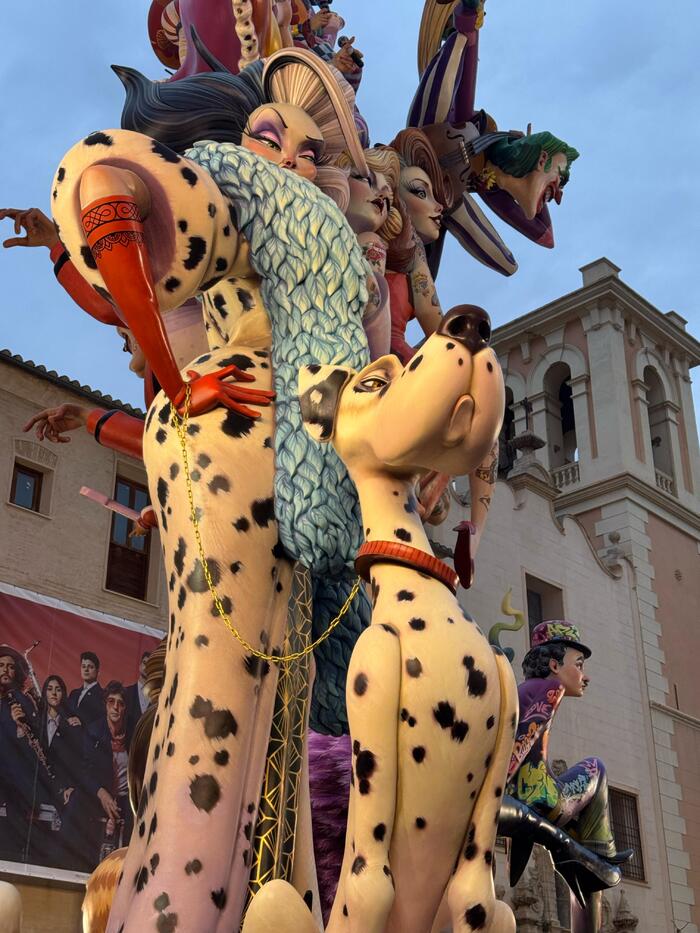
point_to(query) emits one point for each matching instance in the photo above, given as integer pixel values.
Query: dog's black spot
(490, 722)
(263, 511)
(365, 764)
(237, 425)
(402, 534)
(88, 258)
(418, 753)
(241, 360)
(172, 283)
(459, 730)
(359, 865)
(246, 299)
(255, 666)
(476, 917)
(415, 362)
(413, 667)
(182, 224)
(189, 176)
(360, 685)
(60, 174)
(197, 581)
(155, 861)
(162, 490)
(379, 832)
(161, 436)
(98, 139)
(417, 624)
(219, 898)
(205, 792)
(471, 851)
(220, 264)
(219, 484)
(476, 680)
(389, 628)
(141, 879)
(164, 152)
(201, 641)
(197, 248)
(444, 714)
(420, 822)
(194, 867)
(241, 524)
(221, 757)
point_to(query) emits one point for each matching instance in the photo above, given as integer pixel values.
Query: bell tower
(600, 412)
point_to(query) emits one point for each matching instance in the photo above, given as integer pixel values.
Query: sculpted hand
(343, 59)
(67, 793)
(39, 228)
(52, 422)
(17, 713)
(109, 804)
(320, 20)
(210, 390)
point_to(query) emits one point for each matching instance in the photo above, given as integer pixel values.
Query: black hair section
(90, 656)
(215, 105)
(536, 661)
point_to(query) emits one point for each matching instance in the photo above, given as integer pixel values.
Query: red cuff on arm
(118, 431)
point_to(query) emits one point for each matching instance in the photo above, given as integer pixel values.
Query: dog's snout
(468, 325)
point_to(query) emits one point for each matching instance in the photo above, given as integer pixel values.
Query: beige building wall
(61, 551)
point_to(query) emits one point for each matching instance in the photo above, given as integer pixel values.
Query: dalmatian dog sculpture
(432, 707)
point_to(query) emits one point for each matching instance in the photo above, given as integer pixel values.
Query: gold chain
(180, 425)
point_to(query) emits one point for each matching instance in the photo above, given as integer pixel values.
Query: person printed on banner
(106, 760)
(87, 701)
(61, 738)
(136, 700)
(17, 756)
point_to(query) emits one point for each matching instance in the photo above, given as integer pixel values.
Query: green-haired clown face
(532, 169)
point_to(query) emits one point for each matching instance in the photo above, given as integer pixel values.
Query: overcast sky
(619, 81)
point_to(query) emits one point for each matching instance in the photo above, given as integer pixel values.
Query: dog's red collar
(391, 552)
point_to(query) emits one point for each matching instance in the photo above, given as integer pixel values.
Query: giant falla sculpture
(262, 260)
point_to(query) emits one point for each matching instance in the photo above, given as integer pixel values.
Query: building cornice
(676, 714)
(72, 385)
(629, 483)
(589, 298)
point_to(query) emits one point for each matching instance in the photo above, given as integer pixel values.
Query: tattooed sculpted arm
(425, 300)
(482, 483)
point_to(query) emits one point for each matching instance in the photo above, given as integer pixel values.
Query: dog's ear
(320, 388)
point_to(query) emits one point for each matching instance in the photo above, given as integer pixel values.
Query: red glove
(210, 390)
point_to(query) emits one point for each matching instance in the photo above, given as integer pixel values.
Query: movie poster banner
(71, 693)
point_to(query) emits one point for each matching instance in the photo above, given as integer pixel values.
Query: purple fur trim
(330, 763)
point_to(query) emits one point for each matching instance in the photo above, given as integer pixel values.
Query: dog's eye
(371, 384)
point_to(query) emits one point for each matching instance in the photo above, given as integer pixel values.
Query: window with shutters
(127, 562)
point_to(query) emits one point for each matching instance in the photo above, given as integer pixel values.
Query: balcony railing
(565, 475)
(665, 482)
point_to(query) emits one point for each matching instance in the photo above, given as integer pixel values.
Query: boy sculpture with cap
(576, 799)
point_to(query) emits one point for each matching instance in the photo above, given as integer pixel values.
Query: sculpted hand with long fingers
(39, 229)
(208, 391)
(52, 423)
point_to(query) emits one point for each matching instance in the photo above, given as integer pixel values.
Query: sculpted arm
(425, 300)
(153, 230)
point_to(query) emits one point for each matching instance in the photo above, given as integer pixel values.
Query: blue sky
(616, 80)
